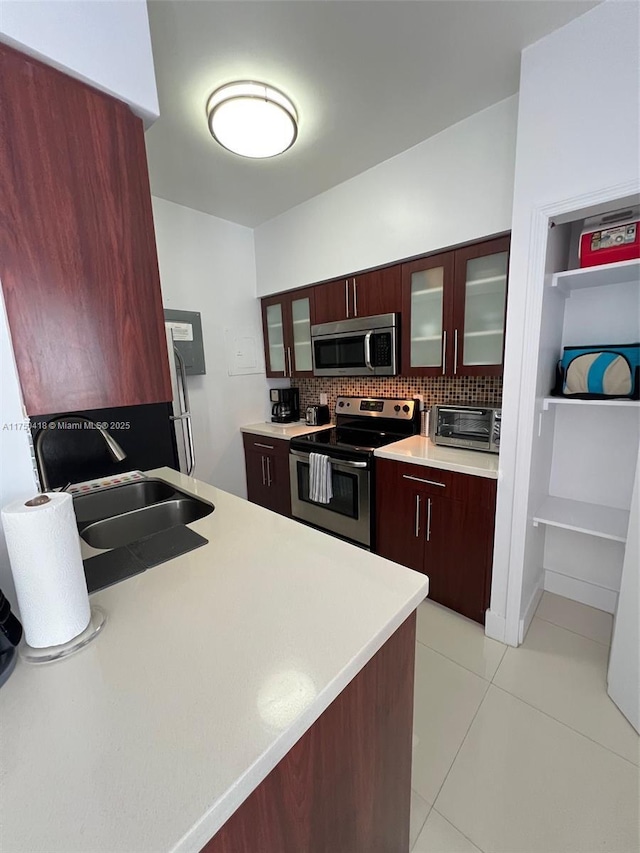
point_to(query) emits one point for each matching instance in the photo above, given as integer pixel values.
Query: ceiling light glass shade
(252, 119)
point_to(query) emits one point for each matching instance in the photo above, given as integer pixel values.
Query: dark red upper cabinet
(77, 248)
(377, 292)
(364, 295)
(453, 311)
(479, 307)
(286, 327)
(332, 301)
(427, 286)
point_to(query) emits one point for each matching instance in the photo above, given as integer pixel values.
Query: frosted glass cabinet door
(486, 288)
(426, 295)
(275, 337)
(427, 318)
(301, 319)
(481, 297)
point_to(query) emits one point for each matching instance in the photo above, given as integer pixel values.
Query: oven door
(348, 512)
(369, 352)
(461, 427)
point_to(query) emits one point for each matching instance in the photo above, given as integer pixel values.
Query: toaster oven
(471, 427)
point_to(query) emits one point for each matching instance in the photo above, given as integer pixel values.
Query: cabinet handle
(417, 526)
(428, 519)
(355, 298)
(455, 352)
(269, 480)
(289, 359)
(444, 352)
(264, 446)
(346, 296)
(421, 480)
(263, 477)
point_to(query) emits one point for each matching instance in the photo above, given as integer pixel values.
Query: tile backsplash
(437, 389)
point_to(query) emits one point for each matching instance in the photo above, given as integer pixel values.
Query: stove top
(362, 425)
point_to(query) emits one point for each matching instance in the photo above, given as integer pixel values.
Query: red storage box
(610, 238)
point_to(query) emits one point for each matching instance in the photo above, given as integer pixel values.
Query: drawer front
(436, 482)
(433, 481)
(265, 444)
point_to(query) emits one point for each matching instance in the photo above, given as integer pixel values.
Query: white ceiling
(369, 79)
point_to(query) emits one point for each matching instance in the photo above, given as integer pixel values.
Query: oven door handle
(458, 410)
(367, 350)
(332, 461)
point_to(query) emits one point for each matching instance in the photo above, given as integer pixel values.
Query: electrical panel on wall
(186, 327)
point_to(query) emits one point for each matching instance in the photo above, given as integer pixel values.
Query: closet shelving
(585, 455)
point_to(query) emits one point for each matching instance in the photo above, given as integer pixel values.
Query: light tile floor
(521, 750)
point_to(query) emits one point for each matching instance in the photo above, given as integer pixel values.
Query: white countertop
(422, 451)
(209, 669)
(285, 431)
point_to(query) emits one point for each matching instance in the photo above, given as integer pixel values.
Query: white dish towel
(320, 486)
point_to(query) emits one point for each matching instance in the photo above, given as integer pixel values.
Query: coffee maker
(286, 405)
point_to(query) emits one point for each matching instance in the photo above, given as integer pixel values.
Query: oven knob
(341, 403)
(396, 408)
(405, 409)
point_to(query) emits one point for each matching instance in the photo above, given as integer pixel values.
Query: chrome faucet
(116, 452)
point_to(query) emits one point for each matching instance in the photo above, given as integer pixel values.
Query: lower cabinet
(440, 523)
(345, 786)
(267, 465)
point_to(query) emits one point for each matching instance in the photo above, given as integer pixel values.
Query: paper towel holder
(48, 654)
(39, 500)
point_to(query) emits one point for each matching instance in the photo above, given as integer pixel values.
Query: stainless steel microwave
(473, 427)
(364, 346)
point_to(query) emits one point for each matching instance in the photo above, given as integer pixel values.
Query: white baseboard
(495, 626)
(582, 591)
(529, 613)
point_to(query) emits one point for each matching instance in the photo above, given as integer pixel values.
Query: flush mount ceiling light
(252, 119)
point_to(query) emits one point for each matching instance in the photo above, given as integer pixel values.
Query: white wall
(207, 264)
(106, 43)
(453, 187)
(578, 141)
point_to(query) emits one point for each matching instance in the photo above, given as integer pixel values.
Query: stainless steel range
(362, 425)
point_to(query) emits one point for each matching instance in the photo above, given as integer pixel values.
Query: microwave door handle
(367, 351)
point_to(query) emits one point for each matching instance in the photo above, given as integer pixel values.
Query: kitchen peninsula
(266, 677)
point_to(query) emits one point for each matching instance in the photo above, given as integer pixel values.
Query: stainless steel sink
(105, 503)
(124, 514)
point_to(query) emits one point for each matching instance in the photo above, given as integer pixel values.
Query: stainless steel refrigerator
(181, 408)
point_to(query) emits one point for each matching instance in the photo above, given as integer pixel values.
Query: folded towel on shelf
(320, 485)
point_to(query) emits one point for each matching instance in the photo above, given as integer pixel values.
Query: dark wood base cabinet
(267, 466)
(440, 523)
(345, 787)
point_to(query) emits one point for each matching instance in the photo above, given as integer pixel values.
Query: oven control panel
(377, 407)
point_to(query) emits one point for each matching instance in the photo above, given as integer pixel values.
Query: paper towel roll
(44, 552)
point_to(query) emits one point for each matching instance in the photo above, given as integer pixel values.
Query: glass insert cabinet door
(301, 322)
(483, 321)
(275, 338)
(425, 311)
